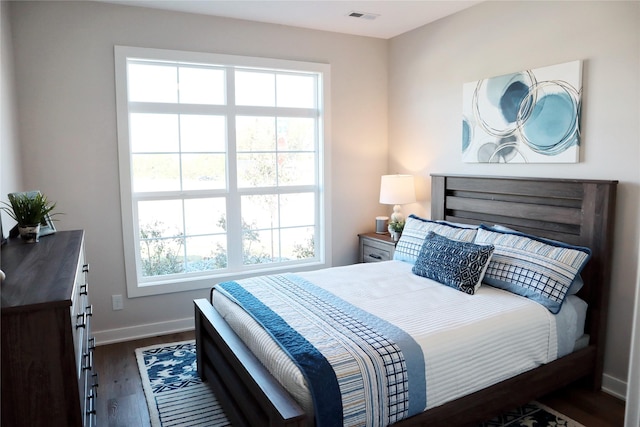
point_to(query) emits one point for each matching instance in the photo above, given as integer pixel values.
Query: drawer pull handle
(92, 343)
(91, 398)
(89, 365)
(375, 256)
(84, 289)
(81, 320)
(85, 268)
(89, 310)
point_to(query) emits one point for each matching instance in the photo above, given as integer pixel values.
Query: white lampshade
(397, 190)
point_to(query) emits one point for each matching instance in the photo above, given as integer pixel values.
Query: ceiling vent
(363, 15)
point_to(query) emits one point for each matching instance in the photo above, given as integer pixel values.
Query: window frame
(176, 283)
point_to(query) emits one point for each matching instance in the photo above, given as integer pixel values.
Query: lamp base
(397, 215)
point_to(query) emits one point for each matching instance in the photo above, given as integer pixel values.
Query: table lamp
(397, 190)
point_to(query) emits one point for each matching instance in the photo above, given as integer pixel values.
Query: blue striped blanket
(360, 369)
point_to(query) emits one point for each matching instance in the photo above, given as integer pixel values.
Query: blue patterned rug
(532, 414)
(178, 398)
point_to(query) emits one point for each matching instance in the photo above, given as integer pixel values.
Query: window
(222, 167)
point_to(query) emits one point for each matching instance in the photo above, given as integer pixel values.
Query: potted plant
(29, 210)
(395, 229)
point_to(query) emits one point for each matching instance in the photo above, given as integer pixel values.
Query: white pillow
(416, 229)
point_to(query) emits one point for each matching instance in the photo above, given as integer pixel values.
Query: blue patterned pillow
(539, 269)
(460, 265)
(416, 229)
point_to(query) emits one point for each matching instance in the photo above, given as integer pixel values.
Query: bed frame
(575, 211)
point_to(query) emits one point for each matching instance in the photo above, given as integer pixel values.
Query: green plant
(28, 209)
(397, 226)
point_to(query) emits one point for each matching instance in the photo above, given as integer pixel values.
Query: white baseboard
(614, 386)
(130, 333)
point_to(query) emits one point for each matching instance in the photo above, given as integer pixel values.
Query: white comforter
(469, 341)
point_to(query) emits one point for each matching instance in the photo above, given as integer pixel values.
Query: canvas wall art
(532, 116)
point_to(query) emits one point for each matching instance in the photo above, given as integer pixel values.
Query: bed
(577, 212)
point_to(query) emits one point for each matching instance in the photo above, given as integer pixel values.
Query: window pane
(296, 169)
(203, 133)
(161, 241)
(161, 256)
(259, 211)
(297, 243)
(297, 209)
(255, 88)
(255, 133)
(152, 83)
(206, 253)
(160, 218)
(260, 247)
(296, 134)
(155, 172)
(203, 171)
(153, 133)
(296, 91)
(205, 216)
(256, 170)
(201, 86)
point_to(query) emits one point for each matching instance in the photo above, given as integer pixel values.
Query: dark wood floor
(121, 400)
(591, 409)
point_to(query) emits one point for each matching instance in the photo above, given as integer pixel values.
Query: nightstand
(376, 247)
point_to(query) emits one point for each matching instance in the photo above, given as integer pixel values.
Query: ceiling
(390, 18)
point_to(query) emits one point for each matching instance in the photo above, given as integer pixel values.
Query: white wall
(10, 159)
(64, 70)
(429, 65)
(632, 415)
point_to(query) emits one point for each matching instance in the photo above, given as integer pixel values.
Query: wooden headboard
(575, 211)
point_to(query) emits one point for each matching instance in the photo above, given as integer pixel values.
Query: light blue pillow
(577, 283)
(539, 269)
(416, 229)
(459, 265)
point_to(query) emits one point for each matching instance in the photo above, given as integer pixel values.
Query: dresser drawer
(84, 343)
(88, 378)
(80, 313)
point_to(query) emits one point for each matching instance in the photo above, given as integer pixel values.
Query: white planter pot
(395, 235)
(29, 233)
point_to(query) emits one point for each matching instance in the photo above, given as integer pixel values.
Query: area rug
(178, 398)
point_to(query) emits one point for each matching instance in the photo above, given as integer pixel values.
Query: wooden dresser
(47, 349)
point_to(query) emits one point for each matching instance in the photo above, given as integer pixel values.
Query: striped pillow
(536, 268)
(416, 229)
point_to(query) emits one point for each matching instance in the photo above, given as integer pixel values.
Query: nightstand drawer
(376, 247)
(375, 254)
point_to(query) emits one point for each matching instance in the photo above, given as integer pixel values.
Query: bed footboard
(248, 393)
(250, 396)
(484, 404)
